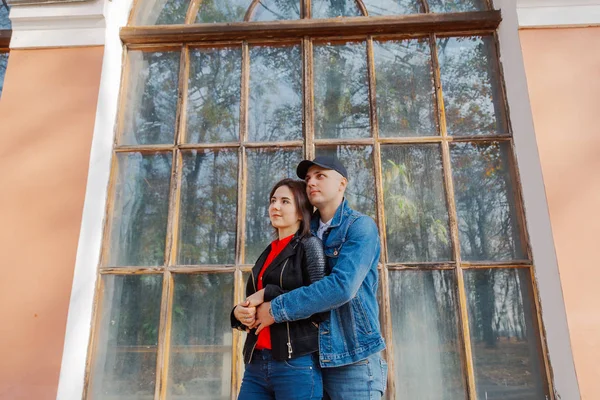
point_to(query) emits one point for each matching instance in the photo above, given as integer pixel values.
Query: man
(350, 340)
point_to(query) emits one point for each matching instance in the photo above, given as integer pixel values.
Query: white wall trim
(79, 320)
(547, 275)
(58, 25)
(558, 13)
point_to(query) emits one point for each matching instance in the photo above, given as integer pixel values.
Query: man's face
(324, 185)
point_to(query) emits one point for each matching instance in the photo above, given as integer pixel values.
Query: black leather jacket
(300, 263)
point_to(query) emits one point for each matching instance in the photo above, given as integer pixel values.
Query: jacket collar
(337, 219)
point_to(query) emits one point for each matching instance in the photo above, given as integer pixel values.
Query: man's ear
(343, 184)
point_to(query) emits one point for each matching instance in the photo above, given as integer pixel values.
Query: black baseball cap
(327, 162)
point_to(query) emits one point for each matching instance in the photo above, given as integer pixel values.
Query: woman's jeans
(297, 378)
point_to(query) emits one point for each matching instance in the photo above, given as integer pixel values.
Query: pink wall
(47, 117)
(563, 74)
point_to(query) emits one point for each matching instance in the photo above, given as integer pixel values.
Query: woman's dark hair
(305, 209)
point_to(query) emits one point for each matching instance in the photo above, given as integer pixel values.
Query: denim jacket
(352, 331)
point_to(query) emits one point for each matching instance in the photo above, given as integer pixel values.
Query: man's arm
(359, 251)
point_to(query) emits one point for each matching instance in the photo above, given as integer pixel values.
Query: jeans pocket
(300, 363)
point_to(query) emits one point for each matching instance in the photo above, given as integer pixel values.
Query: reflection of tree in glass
(415, 210)
(273, 10)
(265, 168)
(358, 161)
(441, 6)
(334, 8)
(469, 82)
(392, 7)
(425, 332)
(4, 20)
(485, 203)
(140, 212)
(208, 208)
(3, 62)
(405, 95)
(341, 91)
(173, 12)
(214, 95)
(130, 320)
(201, 337)
(505, 345)
(151, 98)
(275, 109)
(222, 10)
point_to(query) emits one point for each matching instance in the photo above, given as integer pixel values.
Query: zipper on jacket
(289, 342)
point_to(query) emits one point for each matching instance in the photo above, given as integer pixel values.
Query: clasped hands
(254, 312)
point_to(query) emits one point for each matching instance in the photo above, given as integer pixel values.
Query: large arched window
(220, 99)
(5, 35)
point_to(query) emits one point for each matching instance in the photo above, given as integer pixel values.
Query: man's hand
(263, 317)
(257, 298)
(245, 313)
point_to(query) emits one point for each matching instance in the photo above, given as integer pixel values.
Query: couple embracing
(311, 310)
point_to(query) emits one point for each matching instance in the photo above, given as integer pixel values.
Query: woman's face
(282, 210)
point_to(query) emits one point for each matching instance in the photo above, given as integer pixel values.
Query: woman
(281, 362)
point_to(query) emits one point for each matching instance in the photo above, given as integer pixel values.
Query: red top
(264, 337)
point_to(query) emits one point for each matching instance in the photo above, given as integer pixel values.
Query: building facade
(140, 140)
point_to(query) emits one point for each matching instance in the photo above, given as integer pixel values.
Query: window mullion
(164, 337)
(242, 169)
(309, 108)
(453, 221)
(192, 12)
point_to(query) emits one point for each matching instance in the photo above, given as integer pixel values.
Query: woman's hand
(245, 313)
(256, 299)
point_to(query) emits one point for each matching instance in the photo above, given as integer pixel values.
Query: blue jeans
(364, 380)
(297, 378)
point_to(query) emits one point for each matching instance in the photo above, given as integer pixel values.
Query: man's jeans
(364, 380)
(298, 378)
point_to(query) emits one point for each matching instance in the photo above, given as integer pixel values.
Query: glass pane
(358, 161)
(275, 94)
(427, 348)
(265, 168)
(405, 95)
(201, 338)
(151, 98)
(416, 218)
(207, 219)
(441, 6)
(124, 364)
(334, 8)
(471, 86)
(213, 104)
(273, 10)
(485, 202)
(341, 91)
(392, 7)
(222, 11)
(139, 220)
(3, 64)
(4, 20)
(506, 354)
(161, 12)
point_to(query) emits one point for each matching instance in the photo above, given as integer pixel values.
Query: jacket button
(325, 332)
(335, 253)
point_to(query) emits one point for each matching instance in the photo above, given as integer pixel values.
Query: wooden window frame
(365, 28)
